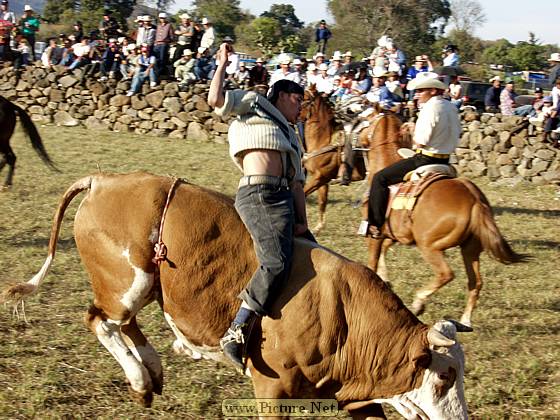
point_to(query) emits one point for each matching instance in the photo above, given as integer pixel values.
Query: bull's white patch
(138, 294)
(149, 358)
(109, 334)
(154, 235)
(183, 346)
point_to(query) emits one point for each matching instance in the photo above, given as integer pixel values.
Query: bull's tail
(21, 291)
(33, 135)
(484, 227)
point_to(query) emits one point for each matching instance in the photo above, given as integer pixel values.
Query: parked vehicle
(474, 92)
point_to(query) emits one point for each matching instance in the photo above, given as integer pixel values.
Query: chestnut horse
(8, 111)
(449, 213)
(323, 155)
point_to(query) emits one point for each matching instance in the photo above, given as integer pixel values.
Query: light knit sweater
(255, 129)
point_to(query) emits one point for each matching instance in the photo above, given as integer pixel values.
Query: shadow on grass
(536, 243)
(529, 212)
(67, 243)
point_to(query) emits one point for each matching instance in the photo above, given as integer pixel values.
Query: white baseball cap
(162, 15)
(205, 21)
(27, 8)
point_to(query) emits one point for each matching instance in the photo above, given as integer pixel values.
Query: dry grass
(54, 368)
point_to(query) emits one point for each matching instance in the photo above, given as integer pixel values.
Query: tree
(527, 55)
(497, 53)
(225, 14)
(286, 17)
(466, 15)
(55, 8)
(264, 33)
(413, 24)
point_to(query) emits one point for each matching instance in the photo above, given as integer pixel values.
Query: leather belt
(276, 181)
(431, 154)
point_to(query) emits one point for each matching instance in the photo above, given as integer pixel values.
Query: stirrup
(233, 343)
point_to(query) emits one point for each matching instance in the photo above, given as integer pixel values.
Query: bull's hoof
(157, 385)
(417, 308)
(143, 398)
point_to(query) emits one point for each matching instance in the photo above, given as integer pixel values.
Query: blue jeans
(140, 77)
(268, 213)
(161, 53)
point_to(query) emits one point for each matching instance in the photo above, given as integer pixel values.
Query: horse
(323, 156)
(8, 111)
(450, 212)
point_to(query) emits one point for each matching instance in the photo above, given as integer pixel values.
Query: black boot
(232, 344)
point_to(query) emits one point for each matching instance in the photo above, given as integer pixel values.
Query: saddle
(403, 196)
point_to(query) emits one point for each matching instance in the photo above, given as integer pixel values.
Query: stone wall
(491, 145)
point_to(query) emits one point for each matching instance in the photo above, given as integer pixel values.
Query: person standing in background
(322, 36)
(29, 25)
(164, 36)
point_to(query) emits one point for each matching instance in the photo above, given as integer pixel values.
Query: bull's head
(441, 394)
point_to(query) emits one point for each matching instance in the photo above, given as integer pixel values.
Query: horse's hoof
(143, 398)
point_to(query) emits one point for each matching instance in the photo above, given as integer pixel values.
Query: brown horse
(449, 213)
(323, 152)
(8, 111)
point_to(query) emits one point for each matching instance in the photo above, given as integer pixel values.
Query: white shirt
(80, 49)
(324, 84)
(451, 60)
(208, 37)
(233, 65)
(555, 97)
(9, 16)
(438, 128)
(279, 75)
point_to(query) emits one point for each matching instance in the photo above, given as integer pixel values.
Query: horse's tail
(21, 291)
(33, 134)
(484, 227)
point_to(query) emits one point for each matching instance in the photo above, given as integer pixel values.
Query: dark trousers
(268, 213)
(550, 124)
(322, 45)
(31, 39)
(161, 52)
(393, 174)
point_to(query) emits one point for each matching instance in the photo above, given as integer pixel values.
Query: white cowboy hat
(187, 52)
(184, 16)
(311, 67)
(205, 21)
(495, 78)
(131, 47)
(259, 60)
(147, 18)
(554, 57)
(162, 15)
(27, 8)
(336, 56)
(382, 42)
(379, 72)
(201, 50)
(285, 59)
(323, 66)
(427, 80)
(297, 61)
(319, 54)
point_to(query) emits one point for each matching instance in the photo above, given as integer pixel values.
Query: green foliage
(525, 55)
(225, 15)
(285, 15)
(55, 8)
(470, 47)
(414, 25)
(497, 52)
(265, 33)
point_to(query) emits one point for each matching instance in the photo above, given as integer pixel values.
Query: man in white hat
(209, 35)
(554, 74)
(284, 72)
(184, 34)
(258, 75)
(184, 68)
(204, 66)
(146, 33)
(492, 96)
(165, 35)
(323, 82)
(436, 135)
(29, 24)
(335, 66)
(348, 57)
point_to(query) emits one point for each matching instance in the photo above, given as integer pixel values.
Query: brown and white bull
(337, 330)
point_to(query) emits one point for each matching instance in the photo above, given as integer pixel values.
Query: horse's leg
(143, 350)
(323, 199)
(444, 275)
(381, 265)
(471, 257)
(374, 253)
(10, 159)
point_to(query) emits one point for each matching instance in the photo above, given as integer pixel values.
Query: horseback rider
(270, 199)
(436, 135)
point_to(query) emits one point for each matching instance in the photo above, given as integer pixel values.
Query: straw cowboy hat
(205, 21)
(379, 72)
(348, 54)
(495, 78)
(554, 57)
(184, 16)
(187, 52)
(426, 81)
(323, 66)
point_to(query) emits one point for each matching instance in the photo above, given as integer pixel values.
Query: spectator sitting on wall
(145, 69)
(530, 110)
(82, 52)
(128, 61)
(184, 68)
(205, 66)
(110, 61)
(507, 98)
(258, 75)
(455, 91)
(492, 96)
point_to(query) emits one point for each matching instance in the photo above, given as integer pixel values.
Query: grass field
(54, 367)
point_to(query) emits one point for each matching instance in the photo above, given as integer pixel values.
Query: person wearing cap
(450, 56)
(184, 34)
(5, 14)
(146, 33)
(298, 68)
(233, 65)
(422, 64)
(165, 35)
(258, 75)
(554, 73)
(241, 76)
(128, 61)
(205, 66)
(492, 96)
(209, 36)
(436, 136)
(145, 69)
(319, 58)
(184, 68)
(530, 110)
(396, 57)
(29, 26)
(270, 199)
(322, 36)
(544, 111)
(198, 33)
(109, 27)
(507, 98)
(348, 57)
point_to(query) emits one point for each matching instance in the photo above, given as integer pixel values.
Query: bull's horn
(435, 338)
(461, 327)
